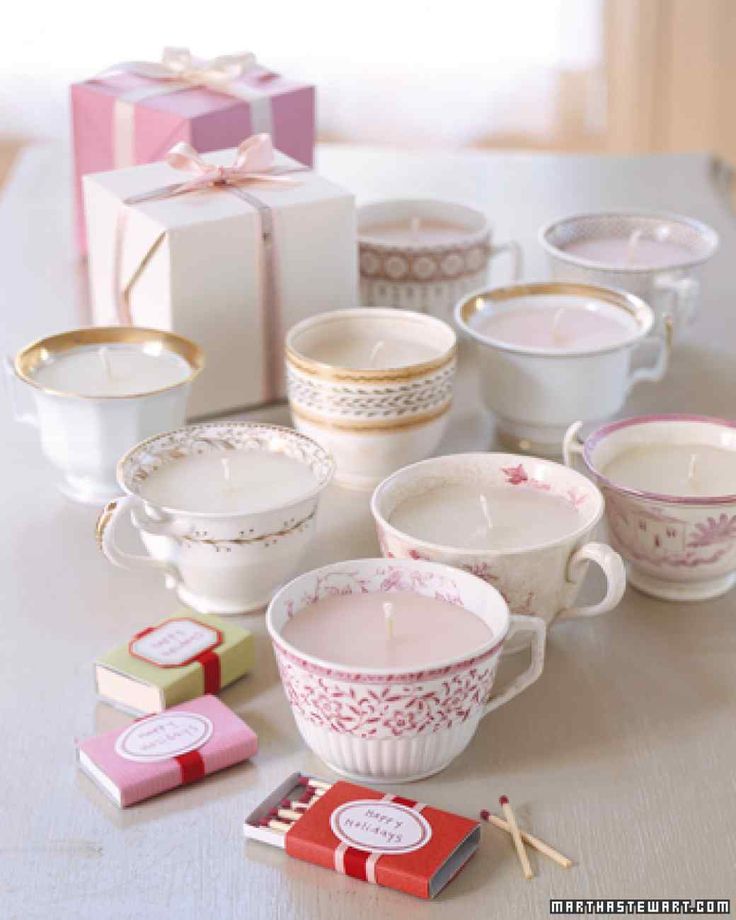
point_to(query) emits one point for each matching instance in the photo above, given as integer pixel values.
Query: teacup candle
(425, 254)
(670, 487)
(393, 695)
(373, 385)
(225, 510)
(522, 524)
(656, 256)
(551, 352)
(98, 391)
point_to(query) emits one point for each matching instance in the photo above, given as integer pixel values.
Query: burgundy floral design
(387, 710)
(714, 531)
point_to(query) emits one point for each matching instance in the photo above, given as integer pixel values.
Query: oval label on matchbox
(380, 826)
(164, 736)
(175, 643)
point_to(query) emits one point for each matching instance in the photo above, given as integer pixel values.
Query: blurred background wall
(591, 75)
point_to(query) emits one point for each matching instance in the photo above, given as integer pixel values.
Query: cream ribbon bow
(180, 65)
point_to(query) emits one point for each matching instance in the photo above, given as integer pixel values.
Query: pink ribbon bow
(254, 162)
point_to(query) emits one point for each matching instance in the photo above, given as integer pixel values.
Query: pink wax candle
(631, 251)
(358, 631)
(415, 231)
(555, 323)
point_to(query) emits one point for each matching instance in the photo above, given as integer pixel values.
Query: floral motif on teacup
(385, 705)
(429, 264)
(664, 536)
(394, 707)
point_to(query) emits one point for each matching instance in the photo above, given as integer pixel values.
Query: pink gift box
(171, 748)
(123, 119)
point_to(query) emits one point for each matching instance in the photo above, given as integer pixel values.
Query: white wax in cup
(675, 469)
(555, 323)
(249, 481)
(366, 352)
(112, 370)
(622, 252)
(453, 515)
(350, 630)
(414, 231)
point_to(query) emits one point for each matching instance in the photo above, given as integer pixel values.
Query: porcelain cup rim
(311, 494)
(625, 300)
(346, 672)
(706, 232)
(462, 552)
(609, 429)
(312, 367)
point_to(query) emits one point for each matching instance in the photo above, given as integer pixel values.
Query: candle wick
(415, 225)
(105, 361)
(632, 244)
(374, 353)
(557, 336)
(691, 468)
(388, 616)
(485, 511)
(226, 470)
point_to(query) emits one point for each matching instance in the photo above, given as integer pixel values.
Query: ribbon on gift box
(236, 75)
(254, 162)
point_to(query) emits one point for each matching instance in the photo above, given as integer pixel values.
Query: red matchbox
(373, 836)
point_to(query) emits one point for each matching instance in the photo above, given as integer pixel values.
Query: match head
(485, 814)
(504, 800)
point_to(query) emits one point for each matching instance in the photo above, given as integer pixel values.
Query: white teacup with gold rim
(523, 524)
(224, 509)
(551, 352)
(373, 385)
(98, 391)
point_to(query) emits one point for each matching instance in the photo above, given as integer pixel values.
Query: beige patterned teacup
(373, 386)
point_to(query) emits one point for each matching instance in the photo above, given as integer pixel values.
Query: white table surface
(622, 754)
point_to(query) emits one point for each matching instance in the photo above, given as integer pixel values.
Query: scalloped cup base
(222, 608)
(680, 590)
(388, 760)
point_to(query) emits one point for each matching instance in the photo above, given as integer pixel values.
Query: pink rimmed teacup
(396, 724)
(542, 520)
(670, 488)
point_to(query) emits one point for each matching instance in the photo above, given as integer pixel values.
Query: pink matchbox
(172, 748)
(123, 118)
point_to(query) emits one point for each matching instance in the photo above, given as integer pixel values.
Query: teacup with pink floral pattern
(393, 725)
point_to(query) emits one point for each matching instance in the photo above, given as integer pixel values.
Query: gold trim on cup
(475, 302)
(365, 375)
(32, 356)
(371, 424)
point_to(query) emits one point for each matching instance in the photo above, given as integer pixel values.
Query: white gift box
(197, 264)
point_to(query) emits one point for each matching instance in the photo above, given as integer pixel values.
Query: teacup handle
(515, 253)
(11, 380)
(656, 371)
(538, 629)
(107, 524)
(684, 295)
(614, 570)
(572, 444)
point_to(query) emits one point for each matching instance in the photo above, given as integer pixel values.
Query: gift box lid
(178, 659)
(160, 752)
(303, 188)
